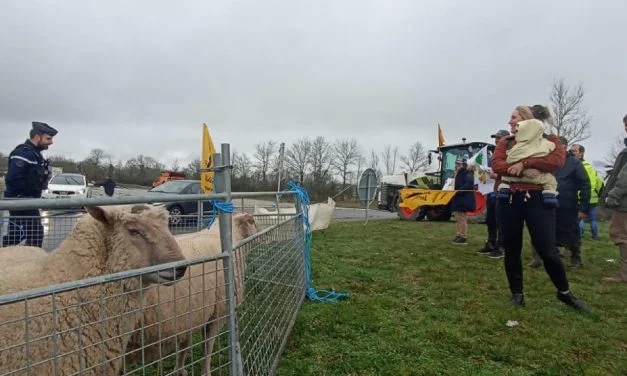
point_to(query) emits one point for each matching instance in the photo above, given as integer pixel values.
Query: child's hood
(529, 130)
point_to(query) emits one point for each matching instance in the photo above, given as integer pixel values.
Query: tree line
(325, 167)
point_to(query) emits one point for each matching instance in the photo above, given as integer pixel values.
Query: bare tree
(264, 152)
(389, 159)
(297, 157)
(570, 117)
(374, 163)
(416, 159)
(616, 148)
(98, 156)
(193, 169)
(346, 154)
(242, 165)
(361, 166)
(175, 165)
(320, 158)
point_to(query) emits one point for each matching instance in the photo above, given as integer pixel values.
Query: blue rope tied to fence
(225, 207)
(312, 293)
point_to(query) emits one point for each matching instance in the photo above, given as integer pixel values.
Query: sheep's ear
(99, 214)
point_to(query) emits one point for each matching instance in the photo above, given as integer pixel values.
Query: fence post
(300, 233)
(223, 173)
(1, 211)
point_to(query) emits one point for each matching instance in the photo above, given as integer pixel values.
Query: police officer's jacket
(28, 172)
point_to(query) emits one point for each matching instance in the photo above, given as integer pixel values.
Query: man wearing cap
(492, 246)
(27, 177)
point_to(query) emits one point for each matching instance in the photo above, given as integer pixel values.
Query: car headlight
(81, 191)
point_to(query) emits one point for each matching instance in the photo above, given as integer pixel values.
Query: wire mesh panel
(56, 225)
(77, 328)
(47, 231)
(114, 325)
(178, 329)
(274, 291)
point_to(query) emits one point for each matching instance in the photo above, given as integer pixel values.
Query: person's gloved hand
(611, 202)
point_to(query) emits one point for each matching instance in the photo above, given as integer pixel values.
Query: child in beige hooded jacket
(530, 142)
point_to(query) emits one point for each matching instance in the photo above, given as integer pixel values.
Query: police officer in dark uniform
(108, 184)
(27, 177)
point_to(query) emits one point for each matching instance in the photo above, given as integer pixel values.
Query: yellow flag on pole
(208, 150)
(440, 136)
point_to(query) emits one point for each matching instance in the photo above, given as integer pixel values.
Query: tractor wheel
(479, 214)
(439, 213)
(406, 214)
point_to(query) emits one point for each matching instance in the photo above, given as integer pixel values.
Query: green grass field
(422, 306)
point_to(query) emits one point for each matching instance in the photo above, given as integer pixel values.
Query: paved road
(345, 214)
(58, 224)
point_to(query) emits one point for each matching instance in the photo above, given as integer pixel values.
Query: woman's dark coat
(464, 201)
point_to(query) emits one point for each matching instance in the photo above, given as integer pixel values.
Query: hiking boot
(517, 300)
(571, 300)
(496, 254)
(460, 240)
(487, 248)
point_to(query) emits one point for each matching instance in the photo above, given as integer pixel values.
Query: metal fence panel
(79, 328)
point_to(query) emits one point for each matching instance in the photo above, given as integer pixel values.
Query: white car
(67, 185)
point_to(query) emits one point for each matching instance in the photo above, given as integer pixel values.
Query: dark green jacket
(614, 195)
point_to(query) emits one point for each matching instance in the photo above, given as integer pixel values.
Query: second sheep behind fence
(172, 314)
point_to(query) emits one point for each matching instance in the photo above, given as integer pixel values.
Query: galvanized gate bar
(64, 203)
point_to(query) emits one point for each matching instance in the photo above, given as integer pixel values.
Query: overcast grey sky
(142, 76)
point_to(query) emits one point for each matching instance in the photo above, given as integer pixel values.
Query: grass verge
(422, 306)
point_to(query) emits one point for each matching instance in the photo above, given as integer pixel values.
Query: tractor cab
(447, 155)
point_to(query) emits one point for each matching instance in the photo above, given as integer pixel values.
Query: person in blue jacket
(463, 201)
(27, 177)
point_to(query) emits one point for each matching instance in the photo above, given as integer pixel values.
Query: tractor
(389, 198)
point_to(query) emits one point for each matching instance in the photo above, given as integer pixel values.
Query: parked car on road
(180, 209)
(67, 185)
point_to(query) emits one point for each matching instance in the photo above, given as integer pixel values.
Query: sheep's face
(140, 238)
(244, 225)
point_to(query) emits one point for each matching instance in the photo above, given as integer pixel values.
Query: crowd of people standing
(547, 185)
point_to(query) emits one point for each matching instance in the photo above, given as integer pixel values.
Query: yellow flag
(208, 150)
(440, 136)
(413, 198)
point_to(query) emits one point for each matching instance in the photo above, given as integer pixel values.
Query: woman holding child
(526, 162)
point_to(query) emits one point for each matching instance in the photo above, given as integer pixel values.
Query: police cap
(40, 127)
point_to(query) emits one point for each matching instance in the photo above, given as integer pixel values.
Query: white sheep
(15, 255)
(197, 303)
(85, 330)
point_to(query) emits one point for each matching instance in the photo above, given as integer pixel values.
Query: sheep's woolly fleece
(109, 240)
(174, 313)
